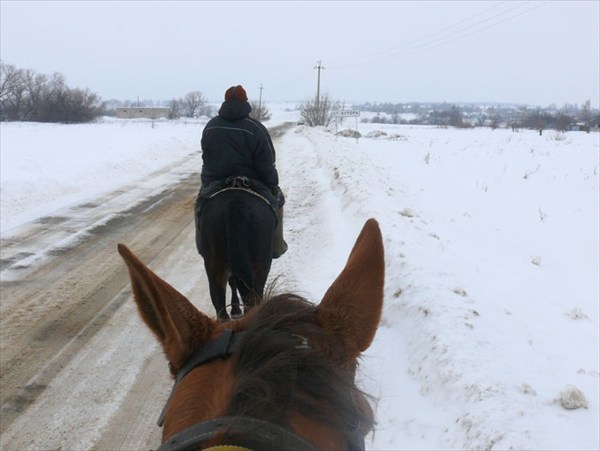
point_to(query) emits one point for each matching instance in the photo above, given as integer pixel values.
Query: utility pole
(259, 102)
(319, 68)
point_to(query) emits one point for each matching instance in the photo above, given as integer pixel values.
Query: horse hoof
(235, 314)
(224, 318)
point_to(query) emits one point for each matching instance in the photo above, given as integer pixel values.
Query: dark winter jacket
(235, 144)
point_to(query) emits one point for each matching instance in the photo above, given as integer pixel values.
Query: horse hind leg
(252, 290)
(236, 311)
(217, 283)
(251, 275)
(217, 295)
(241, 269)
(246, 293)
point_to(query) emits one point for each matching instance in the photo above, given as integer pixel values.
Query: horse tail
(238, 251)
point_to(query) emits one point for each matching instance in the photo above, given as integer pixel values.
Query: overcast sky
(529, 52)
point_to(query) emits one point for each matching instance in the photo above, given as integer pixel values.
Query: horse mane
(287, 364)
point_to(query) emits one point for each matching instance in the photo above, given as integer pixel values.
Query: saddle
(253, 187)
(242, 183)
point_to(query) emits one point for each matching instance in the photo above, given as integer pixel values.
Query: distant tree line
(193, 104)
(540, 119)
(473, 115)
(28, 96)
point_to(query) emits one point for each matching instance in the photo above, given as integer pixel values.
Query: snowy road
(71, 340)
(80, 370)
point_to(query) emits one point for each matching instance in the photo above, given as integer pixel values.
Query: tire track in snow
(61, 383)
(316, 224)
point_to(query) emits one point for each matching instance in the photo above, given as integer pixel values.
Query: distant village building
(593, 125)
(576, 127)
(142, 113)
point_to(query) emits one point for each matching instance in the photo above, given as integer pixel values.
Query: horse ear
(351, 307)
(177, 324)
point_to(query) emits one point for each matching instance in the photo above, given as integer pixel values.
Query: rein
(268, 436)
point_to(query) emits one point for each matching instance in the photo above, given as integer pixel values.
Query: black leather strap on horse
(222, 346)
(261, 435)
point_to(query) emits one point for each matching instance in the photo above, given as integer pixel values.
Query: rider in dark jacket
(234, 144)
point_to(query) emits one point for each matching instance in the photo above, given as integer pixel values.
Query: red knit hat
(236, 93)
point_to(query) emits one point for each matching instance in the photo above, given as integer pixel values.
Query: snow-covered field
(490, 336)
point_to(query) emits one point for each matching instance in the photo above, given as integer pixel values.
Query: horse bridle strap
(270, 436)
(222, 346)
(263, 435)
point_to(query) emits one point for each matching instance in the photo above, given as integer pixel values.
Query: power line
(423, 43)
(420, 38)
(452, 39)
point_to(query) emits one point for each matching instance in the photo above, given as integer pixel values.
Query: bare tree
(52, 108)
(9, 77)
(175, 109)
(12, 92)
(81, 105)
(260, 114)
(395, 117)
(192, 103)
(317, 112)
(35, 85)
(562, 121)
(495, 121)
(586, 113)
(455, 117)
(207, 110)
(110, 107)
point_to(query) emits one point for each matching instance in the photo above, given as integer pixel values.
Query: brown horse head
(280, 377)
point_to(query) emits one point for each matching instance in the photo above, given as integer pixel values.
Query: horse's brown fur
(309, 390)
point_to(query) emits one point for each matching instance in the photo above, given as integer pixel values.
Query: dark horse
(234, 235)
(279, 378)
